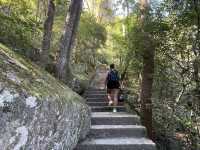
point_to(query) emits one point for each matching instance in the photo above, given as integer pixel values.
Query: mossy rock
(36, 110)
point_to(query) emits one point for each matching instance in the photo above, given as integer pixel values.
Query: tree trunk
(125, 70)
(146, 90)
(147, 73)
(48, 26)
(196, 64)
(67, 40)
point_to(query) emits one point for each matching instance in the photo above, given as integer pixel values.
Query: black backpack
(113, 76)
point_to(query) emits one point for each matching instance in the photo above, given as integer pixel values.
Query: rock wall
(99, 77)
(36, 111)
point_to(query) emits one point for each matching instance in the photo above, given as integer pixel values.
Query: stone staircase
(113, 131)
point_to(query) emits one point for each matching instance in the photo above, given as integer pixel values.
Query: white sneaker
(110, 103)
(114, 110)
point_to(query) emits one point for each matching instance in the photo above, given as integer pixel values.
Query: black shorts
(113, 85)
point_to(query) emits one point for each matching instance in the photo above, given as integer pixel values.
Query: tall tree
(67, 40)
(48, 26)
(148, 71)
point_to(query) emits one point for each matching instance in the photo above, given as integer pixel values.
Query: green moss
(34, 80)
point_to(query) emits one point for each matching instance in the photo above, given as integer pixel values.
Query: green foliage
(18, 8)
(174, 80)
(17, 33)
(91, 36)
(18, 24)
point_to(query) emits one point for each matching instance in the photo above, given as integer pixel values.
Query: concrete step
(110, 118)
(117, 144)
(107, 108)
(98, 89)
(95, 91)
(100, 96)
(96, 99)
(105, 103)
(111, 131)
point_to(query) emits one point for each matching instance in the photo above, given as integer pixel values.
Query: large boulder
(36, 111)
(99, 77)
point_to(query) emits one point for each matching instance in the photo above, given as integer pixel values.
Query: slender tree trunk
(48, 26)
(147, 73)
(196, 64)
(146, 90)
(125, 70)
(67, 40)
(37, 10)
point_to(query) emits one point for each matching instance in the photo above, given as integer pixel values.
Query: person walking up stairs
(113, 86)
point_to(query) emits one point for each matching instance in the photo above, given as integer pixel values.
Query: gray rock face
(37, 112)
(98, 79)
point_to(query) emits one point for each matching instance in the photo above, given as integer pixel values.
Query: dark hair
(112, 66)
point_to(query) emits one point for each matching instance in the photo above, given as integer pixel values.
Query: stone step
(96, 99)
(110, 118)
(95, 91)
(105, 103)
(107, 108)
(100, 96)
(111, 131)
(117, 144)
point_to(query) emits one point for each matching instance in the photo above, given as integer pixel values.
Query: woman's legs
(110, 97)
(115, 93)
(115, 96)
